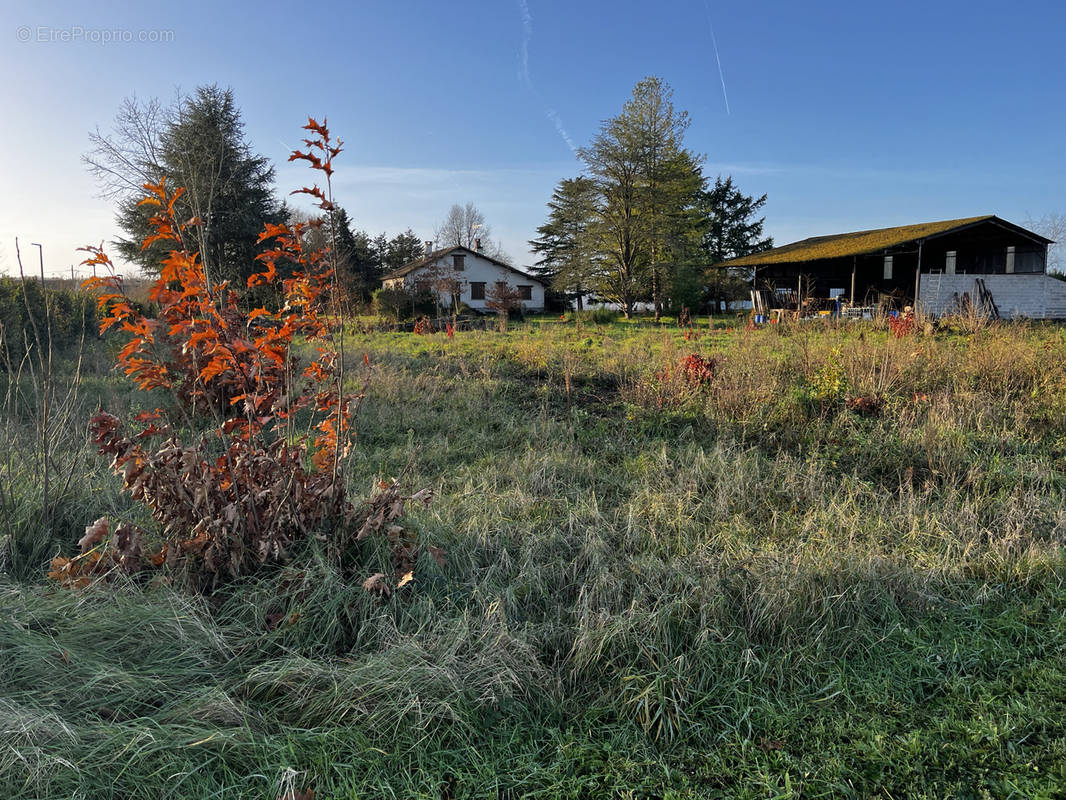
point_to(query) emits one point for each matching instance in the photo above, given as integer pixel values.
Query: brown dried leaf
(126, 545)
(376, 584)
(424, 496)
(94, 534)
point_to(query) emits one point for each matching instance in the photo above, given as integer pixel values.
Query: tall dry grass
(738, 588)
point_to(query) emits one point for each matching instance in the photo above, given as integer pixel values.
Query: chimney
(429, 247)
(477, 245)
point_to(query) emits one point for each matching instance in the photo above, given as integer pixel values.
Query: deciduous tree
(465, 226)
(1053, 226)
(646, 182)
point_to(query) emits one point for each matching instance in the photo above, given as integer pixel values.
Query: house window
(422, 287)
(888, 268)
(525, 292)
(477, 291)
(1010, 260)
(458, 263)
(949, 262)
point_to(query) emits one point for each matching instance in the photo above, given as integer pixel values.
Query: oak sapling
(247, 459)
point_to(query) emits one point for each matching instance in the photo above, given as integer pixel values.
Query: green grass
(650, 589)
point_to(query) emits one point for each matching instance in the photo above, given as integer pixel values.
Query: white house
(468, 275)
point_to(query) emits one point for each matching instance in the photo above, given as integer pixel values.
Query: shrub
(828, 385)
(24, 303)
(249, 459)
(599, 316)
(402, 304)
(396, 304)
(902, 325)
(698, 370)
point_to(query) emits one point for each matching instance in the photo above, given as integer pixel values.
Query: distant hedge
(21, 304)
(398, 304)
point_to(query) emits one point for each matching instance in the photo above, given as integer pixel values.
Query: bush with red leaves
(698, 370)
(230, 476)
(902, 325)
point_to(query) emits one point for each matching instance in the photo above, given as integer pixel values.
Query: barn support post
(854, 259)
(917, 277)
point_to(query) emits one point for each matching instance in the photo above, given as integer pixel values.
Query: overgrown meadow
(798, 561)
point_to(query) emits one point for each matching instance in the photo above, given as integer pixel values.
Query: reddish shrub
(866, 405)
(227, 472)
(902, 325)
(697, 370)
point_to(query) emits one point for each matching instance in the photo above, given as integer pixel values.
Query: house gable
(474, 277)
(439, 257)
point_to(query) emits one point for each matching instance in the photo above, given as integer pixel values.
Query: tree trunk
(656, 294)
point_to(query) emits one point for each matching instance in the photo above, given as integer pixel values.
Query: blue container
(760, 319)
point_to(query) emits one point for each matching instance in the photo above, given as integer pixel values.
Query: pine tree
(198, 144)
(402, 249)
(646, 182)
(730, 230)
(567, 259)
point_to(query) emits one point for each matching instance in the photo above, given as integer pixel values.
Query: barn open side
(934, 262)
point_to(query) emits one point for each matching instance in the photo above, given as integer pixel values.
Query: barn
(943, 265)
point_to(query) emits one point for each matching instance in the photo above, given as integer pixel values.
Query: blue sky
(849, 115)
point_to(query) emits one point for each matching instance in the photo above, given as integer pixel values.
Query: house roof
(425, 261)
(860, 243)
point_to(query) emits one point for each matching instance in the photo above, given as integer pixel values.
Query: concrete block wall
(1019, 295)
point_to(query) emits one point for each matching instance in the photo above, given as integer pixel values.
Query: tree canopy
(465, 226)
(197, 143)
(641, 224)
(730, 230)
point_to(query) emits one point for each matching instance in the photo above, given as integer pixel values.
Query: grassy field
(817, 562)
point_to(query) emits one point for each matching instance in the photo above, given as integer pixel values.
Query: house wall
(476, 269)
(1036, 296)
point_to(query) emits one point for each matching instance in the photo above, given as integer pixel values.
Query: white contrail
(721, 75)
(527, 78)
(561, 130)
(527, 34)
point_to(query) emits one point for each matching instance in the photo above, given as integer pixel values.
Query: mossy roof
(853, 244)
